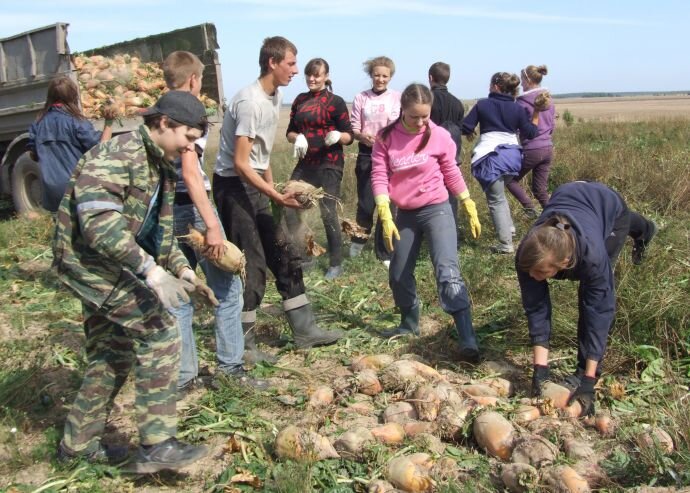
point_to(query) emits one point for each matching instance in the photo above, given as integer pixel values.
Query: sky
(588, 46)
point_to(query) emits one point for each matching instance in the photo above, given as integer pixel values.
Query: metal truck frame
(30, 60)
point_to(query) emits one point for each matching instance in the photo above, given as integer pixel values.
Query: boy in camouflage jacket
(114, 247)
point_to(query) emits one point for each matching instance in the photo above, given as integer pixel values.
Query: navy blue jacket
(59, 140)
(592, 209)
(499, 113)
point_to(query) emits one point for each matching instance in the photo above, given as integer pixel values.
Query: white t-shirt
(254, 114)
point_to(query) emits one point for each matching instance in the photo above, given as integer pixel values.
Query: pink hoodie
(411, 179)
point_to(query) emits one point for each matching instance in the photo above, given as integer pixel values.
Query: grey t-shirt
(254, 114)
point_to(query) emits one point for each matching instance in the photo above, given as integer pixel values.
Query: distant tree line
(620, 94)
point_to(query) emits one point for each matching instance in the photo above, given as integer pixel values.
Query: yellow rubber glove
(384, 212)
(471, 211)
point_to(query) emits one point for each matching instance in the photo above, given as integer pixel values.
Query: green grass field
(646, 370)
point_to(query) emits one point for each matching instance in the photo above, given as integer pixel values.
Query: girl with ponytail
(413, 165)
(578, 237)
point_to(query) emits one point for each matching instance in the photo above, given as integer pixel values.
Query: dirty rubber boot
(409, 323)
(305, 331)
(252, 354)
(469, 351)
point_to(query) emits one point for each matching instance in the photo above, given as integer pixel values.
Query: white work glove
(169, 289)
(200, 286)
(299, 148)
(332, 137)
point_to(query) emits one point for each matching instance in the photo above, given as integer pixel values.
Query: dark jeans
(366, 204)
(329, 179)
(433, 222)
(538, 161)
(248, 223)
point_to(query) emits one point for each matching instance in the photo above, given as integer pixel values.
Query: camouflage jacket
(105, 205)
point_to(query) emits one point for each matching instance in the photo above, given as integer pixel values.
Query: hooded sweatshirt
(546, 123)
(415, 179)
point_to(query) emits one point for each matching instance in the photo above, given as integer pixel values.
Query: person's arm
(470, 121)
(537, 305)
(343, 123)
(357, 123)
(528, 129)
(31, 143)
(243, 147)
(109, 115)
(100, 188)
(197, 192)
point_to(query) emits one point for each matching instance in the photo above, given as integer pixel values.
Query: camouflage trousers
(131, 330)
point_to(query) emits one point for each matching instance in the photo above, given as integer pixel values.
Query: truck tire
(27, 187)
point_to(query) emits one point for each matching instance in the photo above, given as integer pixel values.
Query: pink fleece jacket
(412, 179)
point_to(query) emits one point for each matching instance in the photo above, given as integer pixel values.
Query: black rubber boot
(252, 354)
(167, 455)
(104, 454)
(305, 331)
(409, 323)
(469, 351)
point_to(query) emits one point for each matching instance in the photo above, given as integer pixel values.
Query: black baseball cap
(181, 106)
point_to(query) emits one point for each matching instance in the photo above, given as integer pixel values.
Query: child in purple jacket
(497, 157)
(537, 153)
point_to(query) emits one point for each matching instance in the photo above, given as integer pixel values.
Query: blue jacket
(59, 140)
(499, 113)
(592, 209)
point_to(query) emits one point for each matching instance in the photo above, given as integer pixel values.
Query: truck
(28, 62)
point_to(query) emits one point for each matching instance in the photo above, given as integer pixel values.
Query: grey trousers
(500, 213)
(436, 224)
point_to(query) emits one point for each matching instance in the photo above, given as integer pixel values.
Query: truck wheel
(27, 187)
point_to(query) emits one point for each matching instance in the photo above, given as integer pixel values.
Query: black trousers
(329, 179)
(366, 204)
(248, 223)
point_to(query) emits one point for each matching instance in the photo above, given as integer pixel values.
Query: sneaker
(387, 264)
(501, 250)
(105, 454)
(170, 454)
(333, 272)
(356, 249)
(240, 377)
(640, 245)
(189, 387)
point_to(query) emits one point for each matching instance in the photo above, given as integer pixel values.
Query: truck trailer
(30, 60)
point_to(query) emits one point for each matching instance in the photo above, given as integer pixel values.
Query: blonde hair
(179, 66)
(534, 74)
(553, 239)
(379, 61)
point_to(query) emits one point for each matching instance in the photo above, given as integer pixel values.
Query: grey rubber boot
(469, 351)
(252, 354)
(305, 331)
(409, 323)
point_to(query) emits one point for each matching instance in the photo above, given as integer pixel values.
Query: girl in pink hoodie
(413, 165)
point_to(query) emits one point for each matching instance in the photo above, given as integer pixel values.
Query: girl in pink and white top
(414, 164)
(372, 110)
